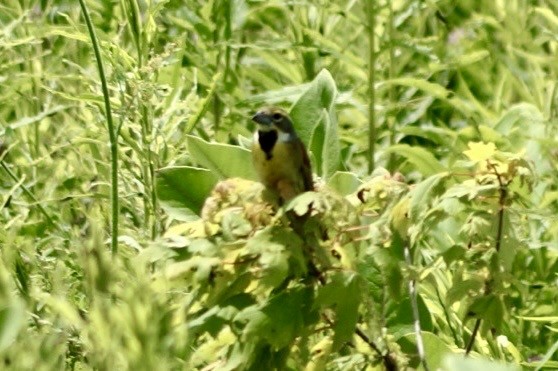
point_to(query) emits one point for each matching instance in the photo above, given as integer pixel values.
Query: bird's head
(273, 118)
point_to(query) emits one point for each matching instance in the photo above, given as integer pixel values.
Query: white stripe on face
(285, 137)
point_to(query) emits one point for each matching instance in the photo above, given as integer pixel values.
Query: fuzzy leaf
(224, 160)
(344, 182)
(183, 190)
(315, 122)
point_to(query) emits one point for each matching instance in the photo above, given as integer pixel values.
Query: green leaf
(274, 246)
(308, 109)
(203, 105)
(551, 319)
(276, 61)
(435, 349)
(421, 195)
(315, 121)
(12, 319)
(278, 321)
(303, 203)
(197, 268)
(462, 289)
(439, 136)
(550, 17)
(423, 160)
(473, 57)
(216, 317)
(460, 363)
(490, 308)
(547, 356)
(225, 160)
(403, 321)
(344, 182)
(182, 190)
(327, 145)
(430, 88)
(342, 294)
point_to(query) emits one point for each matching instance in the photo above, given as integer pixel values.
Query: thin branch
(473, 336)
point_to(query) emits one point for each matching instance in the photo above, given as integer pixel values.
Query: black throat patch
(267, 140)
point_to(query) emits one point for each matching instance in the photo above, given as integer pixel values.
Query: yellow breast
(282, 172)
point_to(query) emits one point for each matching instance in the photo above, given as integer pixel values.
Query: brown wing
(306, 168)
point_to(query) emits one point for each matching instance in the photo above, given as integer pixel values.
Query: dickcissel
(279, 156)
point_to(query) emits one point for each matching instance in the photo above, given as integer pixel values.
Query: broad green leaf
(403, 320)
(302, 203)
(182, 190)
(317, 144)
(325, 145)
(277, 321)
(274, 247)
(421, 196)
(315, 122)
(490, 308)
(462, 289)
(435, 349)
(213, 319)
(225, 160)
(460, 363)
(342, 295)
(423, 160)
(344, 182)
(280, 95)
(308, 109)
(12, 319)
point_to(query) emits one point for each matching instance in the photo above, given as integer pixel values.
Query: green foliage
(210, 272)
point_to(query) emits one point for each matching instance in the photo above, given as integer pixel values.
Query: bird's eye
(276, 116)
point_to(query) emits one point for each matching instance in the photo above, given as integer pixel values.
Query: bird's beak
(262, 118)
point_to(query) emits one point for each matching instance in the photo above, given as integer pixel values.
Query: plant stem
(416, 316)
(371, 85)
(473, 336)
(499, 232)
(391, 92)
(111, 130)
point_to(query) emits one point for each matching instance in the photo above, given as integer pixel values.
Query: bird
(279, 155)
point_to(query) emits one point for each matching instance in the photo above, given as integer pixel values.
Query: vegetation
(135, 237)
